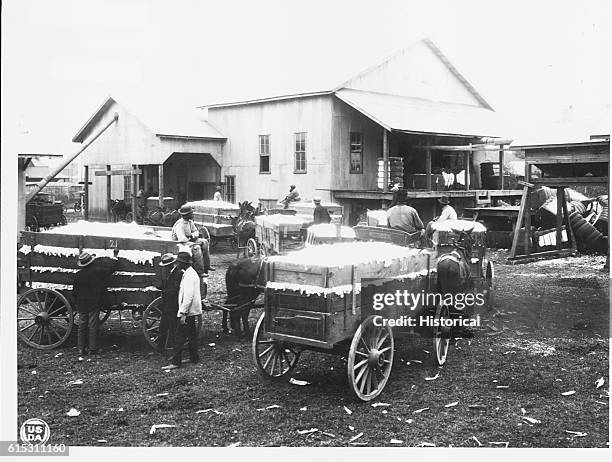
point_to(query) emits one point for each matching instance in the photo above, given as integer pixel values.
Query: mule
(243, 224)
(244, 281)
(453, 268)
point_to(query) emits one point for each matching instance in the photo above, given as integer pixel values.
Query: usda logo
(35, 431)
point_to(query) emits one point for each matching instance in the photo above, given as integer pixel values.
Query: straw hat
(167, 259)
(185, 210)
(85, 259)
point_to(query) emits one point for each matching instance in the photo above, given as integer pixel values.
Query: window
(356, 152)
(264, 153)
(230, 188)
(300, 153)
(127, 188)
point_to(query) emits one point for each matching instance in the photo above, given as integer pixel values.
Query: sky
(534, 61)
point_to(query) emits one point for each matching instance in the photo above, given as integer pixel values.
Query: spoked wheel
(441, 333)
(275, 359)
(251, 247)
(44, 318)
(151, 319)
(263, 250)
(489, 292)
(370, 359)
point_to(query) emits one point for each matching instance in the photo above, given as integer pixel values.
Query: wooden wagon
(48, 264)
(215, 219)
(277, 234)
(305, 210)
(329, 308)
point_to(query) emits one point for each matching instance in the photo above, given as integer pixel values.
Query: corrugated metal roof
(410, 114)
(160, 119)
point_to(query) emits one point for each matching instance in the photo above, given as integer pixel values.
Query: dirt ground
(508, 386)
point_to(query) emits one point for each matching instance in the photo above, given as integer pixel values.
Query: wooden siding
(281, 120)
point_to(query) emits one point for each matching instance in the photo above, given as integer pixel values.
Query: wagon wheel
(489, 292)
(441, 334)
(64, 220)
(263, 250)
(370, 359)
(44, 318)
(251, 247)
(275, 359)
(151, 319)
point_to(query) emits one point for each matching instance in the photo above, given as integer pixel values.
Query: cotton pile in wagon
(216, 216)
(339, 268)
(305, 210)
(50, 257)
(444, 234)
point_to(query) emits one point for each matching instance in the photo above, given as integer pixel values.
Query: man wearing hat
(88, 289)
(189, 308)
(404, 217)
(448, 213)
(170, 281)
(320, 215)
(185, 232)
(293, 196)
(217, 195)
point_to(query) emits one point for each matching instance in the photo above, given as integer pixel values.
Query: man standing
(185, 232)
(404, 217)
(171, 276)
(88, 289)
(293, 196)
(321, 215)
(217, 195)
(190, 306)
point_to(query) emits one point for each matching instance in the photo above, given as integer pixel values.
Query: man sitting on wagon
(448, 213)
(293, 196)
(185, 232)
(404, 217)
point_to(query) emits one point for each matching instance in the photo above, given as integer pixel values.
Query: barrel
(584, 231)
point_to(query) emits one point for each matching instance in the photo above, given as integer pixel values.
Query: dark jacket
(170, 290)
(321, 215)
(90, 283)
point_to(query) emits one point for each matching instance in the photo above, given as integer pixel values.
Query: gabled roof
(348, 83)
(166, 123)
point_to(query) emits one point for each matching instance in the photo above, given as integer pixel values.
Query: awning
(418, 115)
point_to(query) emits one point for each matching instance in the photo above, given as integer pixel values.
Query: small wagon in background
(277, 234)
(216, 219)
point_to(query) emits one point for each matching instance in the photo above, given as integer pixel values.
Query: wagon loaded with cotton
(321, 299)
(48, 264)
(215, 219)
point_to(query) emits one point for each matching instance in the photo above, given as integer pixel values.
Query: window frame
(264, 154)
(229, 188)
(296, 152)
(351, 152)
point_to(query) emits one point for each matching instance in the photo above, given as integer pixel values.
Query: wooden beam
(560, 200)
(126, 172)
(161, 185)
(385, 160)
(534, 256)
(428, 169)
(527, 223)
(466, 161)
(568, 227)
(501, 167)
(108, 194)
(86, 195)
(133, 190)
(571, 180)
(519, 222)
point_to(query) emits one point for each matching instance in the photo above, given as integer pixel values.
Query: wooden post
(519, 222)
(501, 167)
(428, 168)
(385, 161)
(108, 193)
(560, 200)
(568, 228)
(161, 185)
(86, 195)
(527, 223)
(134, 190)
(466, 161)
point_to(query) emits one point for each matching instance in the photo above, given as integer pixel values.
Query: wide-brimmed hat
(443, 200)
(218, 188)
(184, 257)
(167, 259)
(85, 259)
(317, 200)
(186, 210)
